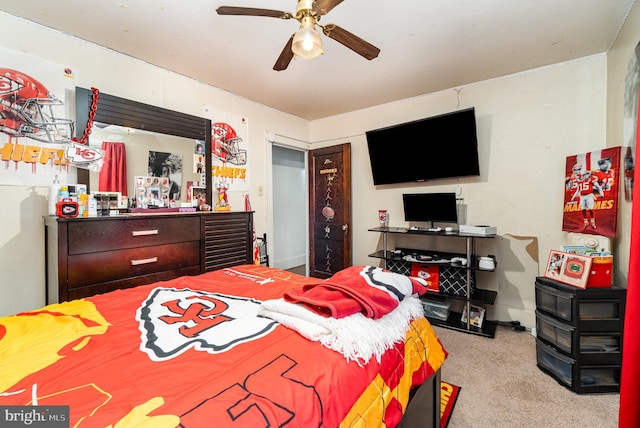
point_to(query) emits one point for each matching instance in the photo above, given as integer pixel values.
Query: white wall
(22, 252)
(22, 269)
(527, 124)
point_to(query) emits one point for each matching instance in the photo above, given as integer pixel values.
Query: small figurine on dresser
(223, 201)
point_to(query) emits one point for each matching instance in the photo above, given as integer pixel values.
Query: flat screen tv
(430, 207)
(444, 146)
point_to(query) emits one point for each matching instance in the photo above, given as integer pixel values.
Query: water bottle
(54, 191)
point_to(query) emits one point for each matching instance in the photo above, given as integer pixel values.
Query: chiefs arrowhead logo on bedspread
(172, 321)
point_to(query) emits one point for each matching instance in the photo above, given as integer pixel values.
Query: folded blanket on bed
(356, 337)
(369, 290)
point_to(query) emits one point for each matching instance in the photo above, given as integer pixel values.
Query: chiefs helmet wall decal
(226, 145)
(27, 109)
(36, 123)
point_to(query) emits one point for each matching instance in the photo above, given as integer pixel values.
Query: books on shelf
(477, 315)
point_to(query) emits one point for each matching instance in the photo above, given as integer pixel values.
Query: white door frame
(274, 139)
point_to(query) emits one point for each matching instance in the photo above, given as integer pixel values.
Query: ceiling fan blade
(322, 7)
(351, 41)
(252, 11)
(285, 57)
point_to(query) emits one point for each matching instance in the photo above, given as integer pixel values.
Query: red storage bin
(601, 270)
(430, 273)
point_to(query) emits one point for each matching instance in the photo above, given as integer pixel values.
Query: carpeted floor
(503, 388)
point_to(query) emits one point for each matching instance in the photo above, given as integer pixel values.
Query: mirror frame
(132, 114)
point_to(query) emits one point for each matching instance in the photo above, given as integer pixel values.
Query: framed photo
(154, 197)
(477, 315)
(190, 184)
(198, 195)
(572, 269)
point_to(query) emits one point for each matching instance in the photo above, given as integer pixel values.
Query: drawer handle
(144, 261)
(144, 232)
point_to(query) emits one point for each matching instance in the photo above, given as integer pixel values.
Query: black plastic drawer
(555, 302)
(559, 365)
(577, 376)
(561, 336)
(601, 348)
(591, 309)
(588, 348)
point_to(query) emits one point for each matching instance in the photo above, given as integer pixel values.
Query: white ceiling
(426, 45)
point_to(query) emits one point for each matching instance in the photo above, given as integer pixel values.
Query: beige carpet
(503, 387)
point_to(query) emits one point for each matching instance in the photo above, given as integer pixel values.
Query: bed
(196, 351)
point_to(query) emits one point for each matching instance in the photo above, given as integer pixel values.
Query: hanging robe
(113, 175)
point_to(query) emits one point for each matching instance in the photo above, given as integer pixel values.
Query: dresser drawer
(92, 268)
(113, 234)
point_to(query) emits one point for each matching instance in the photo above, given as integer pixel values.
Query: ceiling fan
(306, 42)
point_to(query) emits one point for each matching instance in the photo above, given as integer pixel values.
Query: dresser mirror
(143, 129)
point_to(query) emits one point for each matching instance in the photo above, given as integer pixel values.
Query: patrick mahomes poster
(591, 192)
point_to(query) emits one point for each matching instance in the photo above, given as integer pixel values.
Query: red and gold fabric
(191, 351)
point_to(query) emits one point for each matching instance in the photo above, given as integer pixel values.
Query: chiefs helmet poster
(229, 145)
(35, 128)
(591, 192)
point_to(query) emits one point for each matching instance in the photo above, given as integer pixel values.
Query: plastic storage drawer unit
(580, 335)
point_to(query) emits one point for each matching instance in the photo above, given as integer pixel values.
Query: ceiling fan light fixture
(303, 7)
(306, 42)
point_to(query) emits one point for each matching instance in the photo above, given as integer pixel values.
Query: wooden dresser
(87, 256)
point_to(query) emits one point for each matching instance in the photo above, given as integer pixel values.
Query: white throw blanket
(356, 337)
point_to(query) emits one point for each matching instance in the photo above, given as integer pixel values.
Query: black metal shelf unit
(401, 259)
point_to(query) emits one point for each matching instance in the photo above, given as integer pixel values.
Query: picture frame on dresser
(568, 268)
(198, 195)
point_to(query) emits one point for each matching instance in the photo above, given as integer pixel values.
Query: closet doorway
(290, 209)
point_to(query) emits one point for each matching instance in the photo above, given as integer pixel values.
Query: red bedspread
(191, 352)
